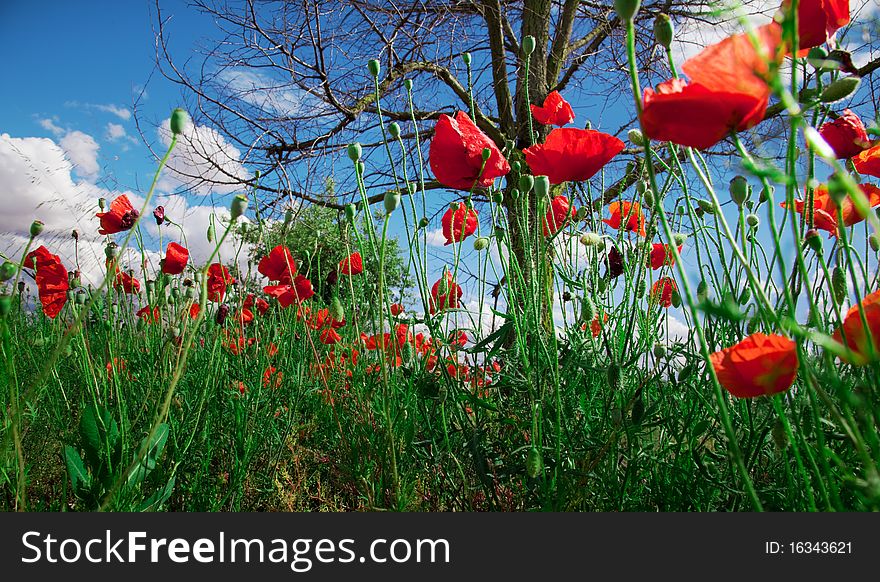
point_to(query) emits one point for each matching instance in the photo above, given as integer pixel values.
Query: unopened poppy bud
(373, 67)
(659, 351)
(514, 194)
(626, 9)
(613, 373)
(685, 373)
(752, 220)
(515, 167)
(354, 151)
(702, 290)
(500, 233)
(817, 57)
(745, 295)
(392, 201)
(75, 234)
(526, 183)
(5, 305)
(210, 233)
(408, 84)
(360, 167)
(350, 211)
(635, 137)
(238, 206)
(336, 310)
(649, 198)
(222, 312)
(498, 197)
(641, 187)
(739, 189)
(534, 463)
(591, 239)
(874, 241)
(159, 215)
(838, 283)
(542, 186)
(706, 206)
(528, 45)
(424, 222)
(837, 189)
(190, 293)
(257, 175)
(840, 89)
(111, 250)
(480, 243)
(581, 213)
(766, 194)
(394, 130)
(588, 308)
(411, 188)
(466, 57)
(81, 298)
(37, 227)
(487, 153)
(664, 31)
(179, 121)
(641, 287)
(676, 298)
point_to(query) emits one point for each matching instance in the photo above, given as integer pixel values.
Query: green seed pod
(238, 207)
(466, 58)
(336, 310)
(111, 250)
(497, 196)
(514, 194)
(681, 210)
(102, 203)
(350, 212)
(408, 84)
(355, 151)
(534, 463)
(373, 67)
(481, 243)
(394, 130)
(80, 298)
(874, 241)
(659, 351)
(423, 222)
(7, 271)
(179, 121)
(627, 9)
(635, 137)
(542, 186)
(752, 220)
(664, 31)
(706, 206)
(745, 296)
(840, 89)
(114, 309)
(526, 183)
(739, 189)
(37, 227)
(528, 45)
(780, 439)
(838, 283)
(613, 373)
(588, 309)
(191, 293)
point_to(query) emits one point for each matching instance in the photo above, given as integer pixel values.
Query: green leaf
(154, 451)
(158, 498)
(91, 439)
(80, 480)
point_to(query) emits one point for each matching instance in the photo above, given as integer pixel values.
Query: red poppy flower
(596, 325)
(662, 290)
(757, 366)
(558, 214)
(148, 315)
(175, 259)
(287, 294)
(846, 135)
(856, 337)
(127, 283)
(396, 309)
(626, 215)
(272, 378)
(120, 217)
(661, 256)
(727, 92)
(445, 294)
(572, 155)
(317, 320)
(261, 304)
(818, 20)
(456, 154)
(352, 264)
(867, 162)
(51, 278)
(458, 224)
(825, 211)
(245, 316)
(278, 265)
(194, 310)
(218, 279)
(555, 111)
(116, 368)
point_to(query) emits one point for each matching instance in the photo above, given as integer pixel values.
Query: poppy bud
(336, 310)
(499, 234)
(613, 373)
(840, 89)
(581, 213)
(239, 205)
(5, 305)
(36, 228)
(874, 241)
(702, 290)
(497, 196)
(423, 222)
(676, 298)
(664, 31)
(190, 293)
(514, 194)
(752, 220)
(373, 67)
(408, 84)
(179, 121)
(836, 189)
(626, 9)
(780, 439)
(394, 130)
(111, 250)
(534, 464)
(817, 57)
(210, 233)
(114, 309)
(528, 45)
(739, 190)
(102, 203)
(685, 373)
(649, 198)
(173, 332)
(360, 167)
(601, 285)
(838, 284)
(354, 151)
(706, 206)
(635, 137)
(526, 183)
(542, 186)
(480, 243)
(7, 271)
(81, 298)
(222, 312)
(591, 239)
(350, 211)
(486, 154)
(588, 308)
(679, 238)
(392, 201)
(659, 351)
(588, 125)
(466, 58)
(745, 295)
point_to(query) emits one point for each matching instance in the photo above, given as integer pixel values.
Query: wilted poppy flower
(278, 265)
(51, 278)
(352, 264)
(757, 366)
(627, 216)
(459, 222)
(662, 290)
(218, 279)
(175, 259)
(825, 211)
(456, 154)
(818, 20)
(558, 214)
(300, 290)
(867, 162)
(614, 263)
(148, 314)
(120, 217)
(846, 135)
(572, 155)
(445, 294)
(329, 336)
(856, 338)
(661, 256)
(127, 283)
(555, 111)
(159, 215)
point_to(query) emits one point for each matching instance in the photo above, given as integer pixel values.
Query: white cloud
(49, 125)
(82, 150)
(122, 113)
(202, 161)
(435, 238)
(115, 131)
(266, 93)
